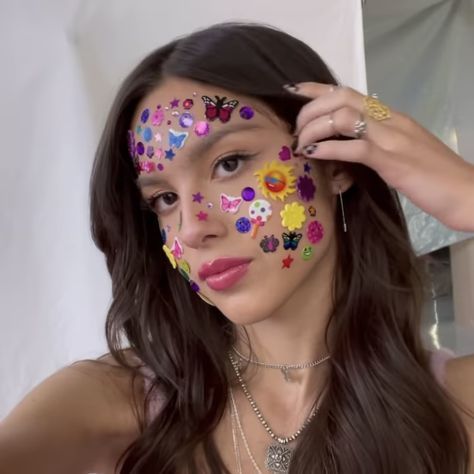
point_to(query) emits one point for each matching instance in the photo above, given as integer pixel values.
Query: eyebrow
(200, 148)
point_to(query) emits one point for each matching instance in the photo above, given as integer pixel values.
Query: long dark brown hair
(384, 411)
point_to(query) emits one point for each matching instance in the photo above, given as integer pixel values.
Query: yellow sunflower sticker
(276, 180)
(169, 255)
(293, 216)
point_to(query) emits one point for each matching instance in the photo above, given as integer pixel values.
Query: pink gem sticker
(201, 129)
(315, 232)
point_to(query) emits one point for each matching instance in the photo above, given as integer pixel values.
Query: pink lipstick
(223, 273)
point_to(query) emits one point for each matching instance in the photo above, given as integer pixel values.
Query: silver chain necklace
(283, 367)
(278, 455)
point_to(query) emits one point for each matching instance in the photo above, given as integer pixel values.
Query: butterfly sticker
(177, 139)
(291, 240)
(219, 109)
(230, 204)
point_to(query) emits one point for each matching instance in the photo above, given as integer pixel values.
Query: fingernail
(310, 149)
(292, 87)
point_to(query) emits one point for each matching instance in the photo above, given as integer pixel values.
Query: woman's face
(248, 224)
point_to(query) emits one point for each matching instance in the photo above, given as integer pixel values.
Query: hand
(402, 152)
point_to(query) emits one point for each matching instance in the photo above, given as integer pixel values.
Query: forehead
(178, 93)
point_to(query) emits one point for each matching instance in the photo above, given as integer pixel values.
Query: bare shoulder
(459, 381)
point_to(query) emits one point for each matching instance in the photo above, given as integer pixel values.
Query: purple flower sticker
(269, 244)
(306, 188)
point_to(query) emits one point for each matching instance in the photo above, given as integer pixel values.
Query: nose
(200, 225)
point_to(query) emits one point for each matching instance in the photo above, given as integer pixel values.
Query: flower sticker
(293, 216)
(276, 180)
(306, 188)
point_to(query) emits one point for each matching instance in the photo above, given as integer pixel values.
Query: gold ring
(376, 109)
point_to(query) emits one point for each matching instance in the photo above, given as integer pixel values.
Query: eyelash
(241, 157)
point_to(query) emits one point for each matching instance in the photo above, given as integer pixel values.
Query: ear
(339, 180)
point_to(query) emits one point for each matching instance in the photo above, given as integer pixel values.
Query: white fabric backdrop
(62, 61)
(420, 59)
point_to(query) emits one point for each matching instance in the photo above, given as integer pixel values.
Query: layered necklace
(278, 452)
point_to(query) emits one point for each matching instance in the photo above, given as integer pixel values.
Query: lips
(222, 273)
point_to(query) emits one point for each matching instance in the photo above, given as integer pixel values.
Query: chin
(244, 313)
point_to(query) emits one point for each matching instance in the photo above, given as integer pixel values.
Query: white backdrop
(62, 61)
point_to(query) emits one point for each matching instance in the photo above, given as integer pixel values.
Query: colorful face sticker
(202, 216)
(248, 194)
(174, 103)
(230, 204)
(147, 166)
(286, 262)
(188, 104)
(157, 137)
(169, 255)
(259, 212)
(307, 168)
(184, 269)
(243, 225)
(306, 188)
(147, 134)
(186, 120)
(198, 197)
(144, 116)
(269, 244)
(219, 109)
(194, 286)
(293, 216)
(307, 253)
(150, 151)
(202, 129)
(177, 139)
(276, 180)
(140, 149)
(177, 249)
(246, 112)
(157, 117)
(284, 154)
(315, 232)
(291, 240)
(131, 143)
(312, 211)
(169, 154)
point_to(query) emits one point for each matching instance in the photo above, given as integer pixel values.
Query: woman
(274, 300)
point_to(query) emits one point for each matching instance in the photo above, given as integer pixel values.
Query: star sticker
(202, 216)
(198, 197)
(169, 154)
(287, 262)
(307, 168)
(158, 137)
(174, 103)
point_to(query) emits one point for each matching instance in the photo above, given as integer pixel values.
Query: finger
(327, 103)
(341, 122)
(310, 89)
(355, 151)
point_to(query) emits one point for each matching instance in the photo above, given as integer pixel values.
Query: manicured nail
(310, 149)
(292, 87)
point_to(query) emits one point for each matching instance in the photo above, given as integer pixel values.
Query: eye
(161, 202)
(230, 165)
